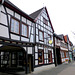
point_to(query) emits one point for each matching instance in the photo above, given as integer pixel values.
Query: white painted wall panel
(40, 47)
(24, 19)
(36, 50)
(9, 11)
(2, 9)
(36, 38)
(36, 55)
(9, 19)
(24, 39)
(3, 19)
(17, 16)
(36, 62)
(15, 37)
(29, 50)
(4, 31)
(29, 30)
(29, 22)
(31, 38)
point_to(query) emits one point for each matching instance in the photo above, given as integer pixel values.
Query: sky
(61, 13)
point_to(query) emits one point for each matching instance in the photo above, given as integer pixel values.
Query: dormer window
(15, 25)
(45, 21)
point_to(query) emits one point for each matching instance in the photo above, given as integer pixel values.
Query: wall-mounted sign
(50, 41)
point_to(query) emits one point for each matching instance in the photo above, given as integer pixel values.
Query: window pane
(24, 30)
(16, 27)
(12, 25)
(41, 35)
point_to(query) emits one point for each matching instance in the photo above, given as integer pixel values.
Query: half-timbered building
(43, 53)
(17, 37)
(64, 49)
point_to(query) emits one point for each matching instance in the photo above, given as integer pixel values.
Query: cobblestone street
(64, 69)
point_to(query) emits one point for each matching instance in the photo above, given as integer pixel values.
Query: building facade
(43, 53)
(17, 38)
(61, 48)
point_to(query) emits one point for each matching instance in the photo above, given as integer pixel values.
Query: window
(49, 56)
(24, 30)
(41, 57)
(45, 21)
(41, 35)
(62, 54)
(66, 54)
(14, 26)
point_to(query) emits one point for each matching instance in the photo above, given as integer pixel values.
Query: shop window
(49, 56)
(24, 30)
(41, 35)
(41, 56)
(15, 25)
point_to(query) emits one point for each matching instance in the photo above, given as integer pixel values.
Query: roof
(35, 14)
(61, 36)
(55, 35)
(11, 6)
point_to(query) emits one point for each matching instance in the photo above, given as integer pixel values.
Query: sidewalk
(43, 68)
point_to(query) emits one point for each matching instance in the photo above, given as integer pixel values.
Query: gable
(44, 16)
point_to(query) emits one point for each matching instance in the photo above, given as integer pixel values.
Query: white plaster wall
(36, 38)
(2, 8)
(9, 11)
(36, 62)
(24, 19)
(29, 22)
(17, 16)
(15, 37)
(29, 50)
(3, 19)
(24, 39)
(63, 48)
(36, 55)
(4, 31)
(36, 50)
(31, 38)
(40, 47)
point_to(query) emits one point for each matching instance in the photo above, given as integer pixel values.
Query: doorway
(58, 56)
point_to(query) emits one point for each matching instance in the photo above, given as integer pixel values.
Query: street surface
(64, 69)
